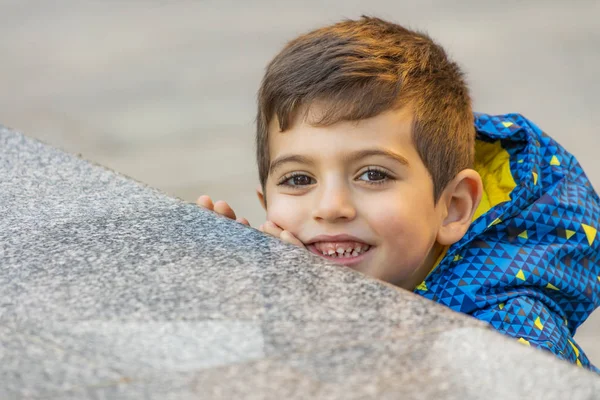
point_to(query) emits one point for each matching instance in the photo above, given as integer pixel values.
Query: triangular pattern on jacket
(529, 264)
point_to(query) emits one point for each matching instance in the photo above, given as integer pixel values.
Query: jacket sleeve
(534, 324)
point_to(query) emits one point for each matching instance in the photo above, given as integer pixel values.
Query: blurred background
(164, 91)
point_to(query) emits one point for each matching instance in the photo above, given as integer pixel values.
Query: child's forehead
(313, 114)
(389, 132)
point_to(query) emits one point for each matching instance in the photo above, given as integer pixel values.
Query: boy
(369, 155)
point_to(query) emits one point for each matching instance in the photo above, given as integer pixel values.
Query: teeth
(341, 252)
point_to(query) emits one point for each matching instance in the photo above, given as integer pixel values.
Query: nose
(334, 204)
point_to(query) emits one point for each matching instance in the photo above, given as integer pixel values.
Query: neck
(435, 255)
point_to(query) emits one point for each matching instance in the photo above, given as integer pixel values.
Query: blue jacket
(529, 264)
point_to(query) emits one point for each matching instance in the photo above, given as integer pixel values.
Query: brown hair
(358, 69)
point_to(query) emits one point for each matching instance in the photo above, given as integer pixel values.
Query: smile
(342, 252)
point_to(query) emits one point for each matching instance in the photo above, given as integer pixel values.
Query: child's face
(357, 186)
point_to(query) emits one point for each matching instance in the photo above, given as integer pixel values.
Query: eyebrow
(291, 158)
(377, 152)
(353, 157)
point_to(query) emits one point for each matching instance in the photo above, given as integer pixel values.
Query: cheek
(401, 223)
(287, 212)
(391, 224)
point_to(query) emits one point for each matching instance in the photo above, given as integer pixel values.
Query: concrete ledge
(110, 289)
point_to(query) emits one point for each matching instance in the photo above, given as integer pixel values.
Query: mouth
(344, 252)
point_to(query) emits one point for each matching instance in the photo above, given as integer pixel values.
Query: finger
(243, 221)
(271, 229)
(205, 201)
(288, 237)
(223, 208)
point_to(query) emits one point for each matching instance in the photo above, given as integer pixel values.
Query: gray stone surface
(164, 91)
(112, 290)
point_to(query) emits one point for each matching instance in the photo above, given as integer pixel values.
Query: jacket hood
(534, 233)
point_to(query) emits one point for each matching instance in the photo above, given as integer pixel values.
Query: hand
(274, 230)
(220, 207)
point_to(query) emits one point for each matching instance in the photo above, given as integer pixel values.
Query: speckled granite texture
(112, 290)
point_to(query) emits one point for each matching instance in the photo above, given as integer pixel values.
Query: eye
(296, 180)
(373, 175)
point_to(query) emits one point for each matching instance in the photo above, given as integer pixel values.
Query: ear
(261, 196)
(460, 200)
